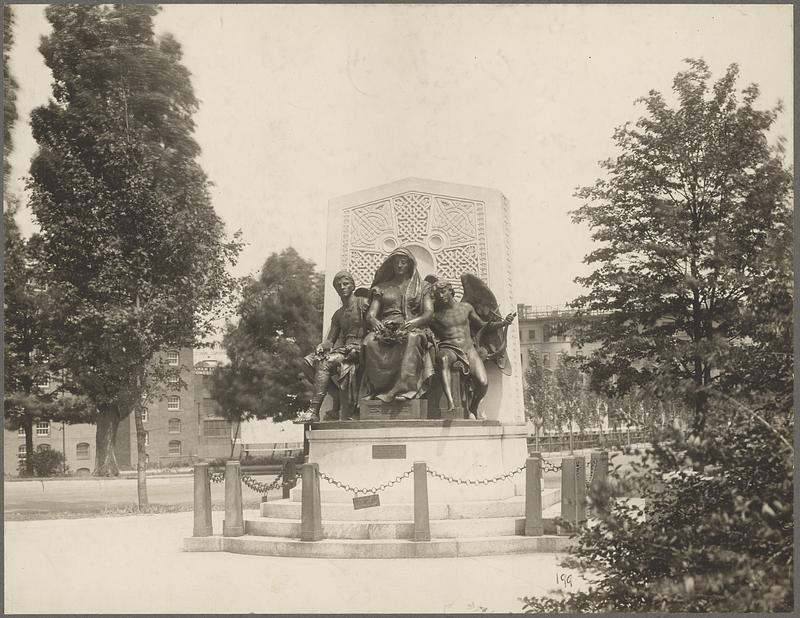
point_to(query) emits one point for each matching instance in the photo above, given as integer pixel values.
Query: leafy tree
(28, 351)
(280, 321)
(136, 255)
(539, 394)
(696, 277)
(694, 223)
(715, 533)
(9, 90)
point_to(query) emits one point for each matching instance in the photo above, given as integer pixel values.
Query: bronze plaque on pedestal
(377, 410)
(388, 451)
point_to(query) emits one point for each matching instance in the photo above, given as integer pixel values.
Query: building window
(173, 358)
(82, 450)
(174, 425)
(144, 415)
(22, 451)
(173, 380)
(147, 438)
(43, 447)
(532, 334)
(173, 402)
(21, 432)
(43, 381)
(216, 429)
(174, 447)
(43, 429)
(545, 359)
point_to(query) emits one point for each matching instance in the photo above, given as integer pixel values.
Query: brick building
(182, 423)
(543, 330)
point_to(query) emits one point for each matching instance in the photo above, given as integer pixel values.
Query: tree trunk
(28, 425)
(106, 441)
(141, 459)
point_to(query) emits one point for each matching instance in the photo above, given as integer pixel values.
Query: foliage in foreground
(715, 534)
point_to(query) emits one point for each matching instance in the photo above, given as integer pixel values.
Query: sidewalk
(135, 565)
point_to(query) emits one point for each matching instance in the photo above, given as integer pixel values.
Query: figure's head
(402, 265)
(344, 284)
(443, 292)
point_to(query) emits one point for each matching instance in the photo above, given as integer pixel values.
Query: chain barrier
(371, 490)
(256, 486)
(450, 479)
(550, 467)
(592, 466)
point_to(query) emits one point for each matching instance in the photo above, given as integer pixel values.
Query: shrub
(46, 462)
(716, 532)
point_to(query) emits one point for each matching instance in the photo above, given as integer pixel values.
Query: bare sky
(303, 103)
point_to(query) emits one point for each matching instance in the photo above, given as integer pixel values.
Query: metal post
(233, 525)
(202, 501)
(289, 477)
(568, 497)
(422, 524)
(64, 448)
(600, 467)
(533, 495)
(310, 506)
(580, 490)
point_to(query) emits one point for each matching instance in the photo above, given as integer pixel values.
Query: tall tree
(694, 223)
(9, 91)
(136, 255)
(280, 321)
(31, 392)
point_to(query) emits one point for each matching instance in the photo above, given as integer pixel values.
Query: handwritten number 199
(564, 579)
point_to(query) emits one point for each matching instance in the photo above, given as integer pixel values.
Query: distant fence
(589, 439)
(273, 451)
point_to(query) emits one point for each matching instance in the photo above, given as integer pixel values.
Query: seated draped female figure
(398, 358)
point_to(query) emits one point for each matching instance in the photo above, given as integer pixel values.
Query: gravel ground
(135, 565)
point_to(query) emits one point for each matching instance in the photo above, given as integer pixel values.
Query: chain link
(550, 467)
(371, 490)
(450, 479)
(593, 465)
(256, 486)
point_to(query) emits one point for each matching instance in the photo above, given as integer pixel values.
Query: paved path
(134, 565)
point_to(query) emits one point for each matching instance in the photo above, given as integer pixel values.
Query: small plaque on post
(365, 502)
(388, 451)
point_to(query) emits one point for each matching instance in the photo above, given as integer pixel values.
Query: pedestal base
(368, 454)
(408, 409)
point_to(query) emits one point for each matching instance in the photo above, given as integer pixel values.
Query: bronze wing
(491, 345)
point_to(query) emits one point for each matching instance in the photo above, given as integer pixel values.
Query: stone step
(375, 530)
(388, 548)
(343, 511)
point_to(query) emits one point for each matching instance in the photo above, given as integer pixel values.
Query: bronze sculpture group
(391, 341)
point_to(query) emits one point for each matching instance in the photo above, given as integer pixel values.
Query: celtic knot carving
(411, 212)
(454, 217)
(363, 264)
(454, 262)
(368, 222)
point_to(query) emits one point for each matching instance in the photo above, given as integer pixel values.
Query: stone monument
(445, 230)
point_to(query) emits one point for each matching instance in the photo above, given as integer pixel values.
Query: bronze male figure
(451, 325)
(334, 367)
